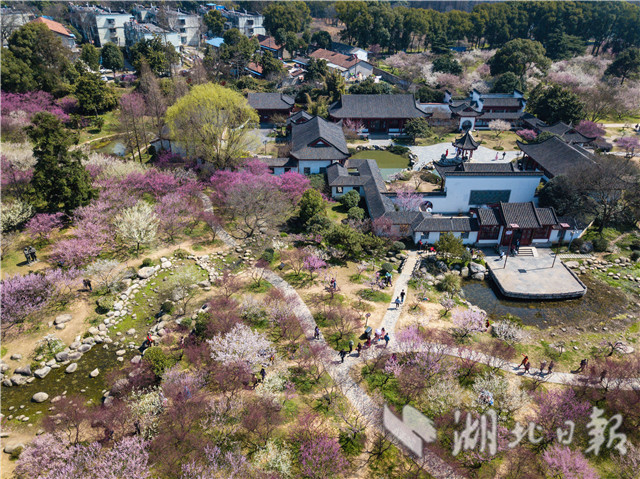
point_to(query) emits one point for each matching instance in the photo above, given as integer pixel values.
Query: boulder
(61, 326)
(74, 345)
(144, 273)
(623, 348)
(572, 264)
(478, 276)
(464, 272)
(475, 268)
(63, 318)
(18, 380)
(7, 383)
(93, 330)
(24, 370)
(136, 359)
(40, 397)
(120, 352)
(71, 368)
(429, 277)
(62, 356)
(16, 357)
(11, 448)
(42, 372)
(586, 247)
(442, 266)
(74, 356)
(84, 348)
(131, 332)
(94, 373)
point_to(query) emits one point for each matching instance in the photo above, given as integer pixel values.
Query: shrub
(429, 177)
(355, 213)
(158, 360)
(104, 303)
(600, 244)
(375, 296)
(397, 246)
(635, 256)
(398, 150)
(319, 224)
(498, 148)
(167, 307)
(350, 199)
(388, 267)
(352, 444)
(181, 254)
(268, 255)
(576, 244)
(147, 262)
(450, 284)
(635, 245)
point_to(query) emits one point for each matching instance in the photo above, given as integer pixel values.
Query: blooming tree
(499, 126)
(527, 135)
(175, 211)
(321, 457)
(132, 117)
(75, 252)
(467, 321)
(14, 213)
(561, 461)
(106, 273)
(629, 143)
(218, 465)
(447, 303)
(137, 225)
(508, 331)
(557, 406)
(408, 200)
(507, 398)
(42, 225)
(591, 129)
(241, 344)
(313, 263)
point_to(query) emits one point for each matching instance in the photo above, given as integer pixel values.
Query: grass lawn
(383, 158)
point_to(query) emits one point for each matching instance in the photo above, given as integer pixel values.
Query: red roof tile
(54, 26)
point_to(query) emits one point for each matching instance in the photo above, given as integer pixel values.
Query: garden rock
(71, 368)
(24, 370)
(42, 372)
(62, 356)
(10, 448)
(624, 348)
(40, 397)
(94, 373)
(131, 332)
(84, 348)
(75, 356)
(586, 247)
(18, 380)
(120, 352)
(464, 272)
(16, 357)
(61, 326)
(136, 359)
(572, 264)
(442, 266)
(478, 276)
(476, 268)
(63, 318)
(144, 273)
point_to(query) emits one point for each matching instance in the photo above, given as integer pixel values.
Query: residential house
(350, 67)
(63, 33)
(378, 113)
(249, 23)
(98, 25)
(350, 50)
(479, 109)
(554, 157)
(135, 32)
(11, 20)
(269, 104)
(268, 44)
(188, 25)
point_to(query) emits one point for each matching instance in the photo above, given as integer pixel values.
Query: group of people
(333, 284)
(30, 254)
(380, 335)
(384, 280)
(400, 299)
(543, 364)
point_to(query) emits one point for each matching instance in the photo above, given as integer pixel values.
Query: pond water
(600, 303)
(116, 147)
(387, 172)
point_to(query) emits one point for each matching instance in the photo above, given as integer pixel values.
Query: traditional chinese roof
(566, 132)
(489, 101)
(318, 139)
(555, 156)
(55, 27)
(279, 162)
(446, 223)
(376, 106)
(466, 142)
(526, 215)
(482, 169)
(465, 109)
(270, 101)
(299, 117)
(489, 217)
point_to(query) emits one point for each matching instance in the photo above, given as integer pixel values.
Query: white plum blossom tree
(137, 225)
(242, 344)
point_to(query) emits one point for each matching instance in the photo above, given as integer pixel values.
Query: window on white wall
(464, 235)
(339, 189)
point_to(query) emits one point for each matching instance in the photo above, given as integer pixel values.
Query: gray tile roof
(547, 216)
(464, 109)
(376, 106)
(522, 214)
(557, 157)
(466, 142)
(567, 132)
(489, 217)
(279, 162)
(505, 115)
(270, 101)
(482, 169)
(299, 117)
(492, 102)
(444, 223)
(318, 139)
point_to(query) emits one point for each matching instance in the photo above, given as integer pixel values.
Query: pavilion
(465, 144)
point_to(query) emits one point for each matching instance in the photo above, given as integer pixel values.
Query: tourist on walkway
(402, 295)
(583, 365)
(27, 255)
(543, 364)
(527, 366)
(603, 375)
(525, 360)
(87, 284)
(397, 302)
(389, 278)
(359, 348)
(343, 353)
(386, 340)
(32, 253)
(551, 364)
(504, 154)
(316, 333)
(517, 246)
(350, 346)
(263, 373)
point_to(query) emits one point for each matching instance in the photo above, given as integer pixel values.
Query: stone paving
(431, 153)
(401, 282)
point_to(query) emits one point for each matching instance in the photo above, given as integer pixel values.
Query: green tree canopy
(447, 64)
(311, 204)
(334, 85)
(626, 65)
(561, 46)
(417, 128)
(47, 60)
(560, 194)
(426, 94)
(316, 69)
(553, 103)
(16, 74)
(271, 66)
(292, 16)
(369, 86)
(93, 94)
(214, 21)
(91, 56)
(112, 57)
(322, 39)
(518, 56)
(159, 55)
(213, 123)
(449, 244)
(506, 83)
(60, 181)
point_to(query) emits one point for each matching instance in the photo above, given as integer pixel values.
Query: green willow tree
(60, 181)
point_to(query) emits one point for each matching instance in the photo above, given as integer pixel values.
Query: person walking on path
(343, 353)
(26, 254)
(316, 333)
(397, 302)
(359, 348)
(550, 369)
(543, 364)
(386, 340)
(263, 373)
(402, 295)
(87, 284)
(350, 346)
(583, 365)
(527, 366)
(525, 360)
(32, 253)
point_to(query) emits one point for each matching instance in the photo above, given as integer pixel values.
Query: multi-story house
(249, 23)
(100, 26)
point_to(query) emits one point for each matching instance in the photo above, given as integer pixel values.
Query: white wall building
(99, 25)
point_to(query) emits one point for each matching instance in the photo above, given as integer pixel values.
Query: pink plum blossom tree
(408, 200)
(557, 406)
(241, 345)
(313, 263)
(561, 461)
(42, 225)
(629, 143)
(527, 135)
(591, 129)
(321, 457)
(467, 321)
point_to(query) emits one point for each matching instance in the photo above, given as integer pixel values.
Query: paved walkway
(401, 282)
(428, 154)
(225, 237)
